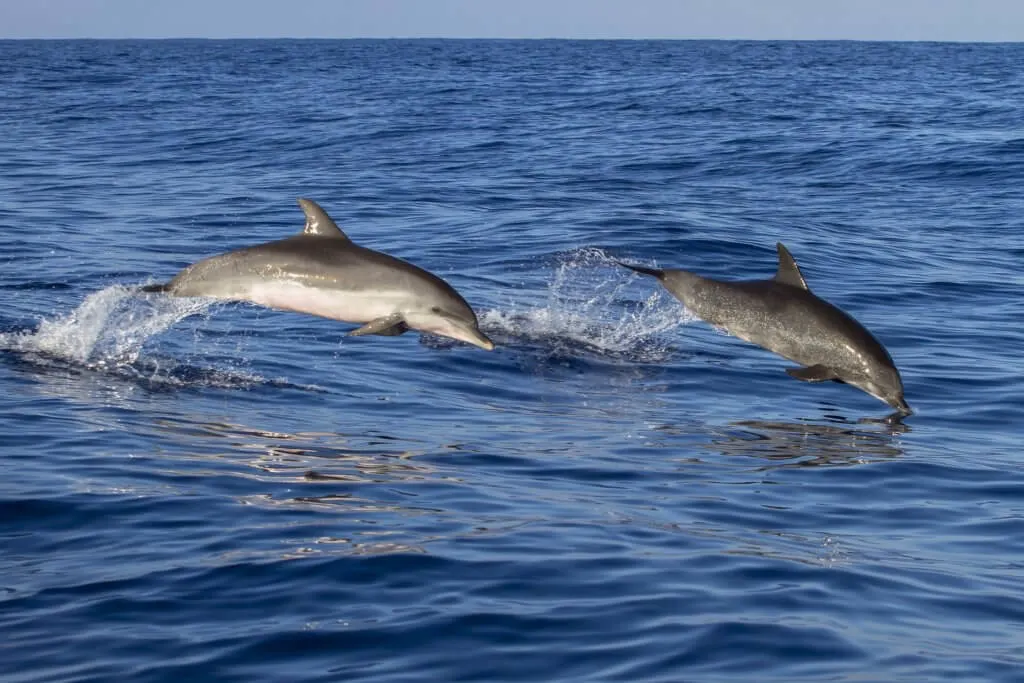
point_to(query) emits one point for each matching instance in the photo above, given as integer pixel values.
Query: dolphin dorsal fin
(789, 272)
(318, 222)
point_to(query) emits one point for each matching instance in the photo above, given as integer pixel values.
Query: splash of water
(108, 329)
(590, 309)
(107, 334)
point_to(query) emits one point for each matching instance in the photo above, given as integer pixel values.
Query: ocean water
(209, 491)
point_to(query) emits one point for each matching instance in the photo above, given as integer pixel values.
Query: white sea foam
(592, 309)
(109, 328)
(108, 331)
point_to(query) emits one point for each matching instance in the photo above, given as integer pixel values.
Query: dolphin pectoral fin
(814, 373)
(394, 330)
(389, 326)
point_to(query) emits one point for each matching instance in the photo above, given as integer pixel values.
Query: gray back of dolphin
(782, 315)
(322, 272)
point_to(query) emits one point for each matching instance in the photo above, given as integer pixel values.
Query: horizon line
(528, 38)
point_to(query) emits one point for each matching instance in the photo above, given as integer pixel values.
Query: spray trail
(592, 309)
(109, 328)
(107, 334)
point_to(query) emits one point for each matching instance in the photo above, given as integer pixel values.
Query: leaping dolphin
(322, 272)
(782, 315)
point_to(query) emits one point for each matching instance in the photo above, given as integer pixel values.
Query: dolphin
(783, 316)
(322, 272)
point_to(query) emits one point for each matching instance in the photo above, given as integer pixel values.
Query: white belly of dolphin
(346, 306)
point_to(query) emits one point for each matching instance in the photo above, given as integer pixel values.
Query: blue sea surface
(207, 491)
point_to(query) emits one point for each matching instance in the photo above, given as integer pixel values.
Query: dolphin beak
(463, 330)
(901, 405)
(481, 340)
(467, 331)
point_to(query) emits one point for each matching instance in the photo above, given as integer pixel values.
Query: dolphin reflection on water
(808, 444)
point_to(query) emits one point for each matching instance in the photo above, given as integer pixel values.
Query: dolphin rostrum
(782, 315)
(322, 272)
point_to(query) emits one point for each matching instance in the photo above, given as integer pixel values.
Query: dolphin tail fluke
(152, 289)
(655, 272)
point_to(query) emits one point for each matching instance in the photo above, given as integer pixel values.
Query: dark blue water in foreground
(197, 491)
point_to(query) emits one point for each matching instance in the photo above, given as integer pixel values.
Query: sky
(956, 20)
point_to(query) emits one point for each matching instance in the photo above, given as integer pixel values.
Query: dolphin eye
(435, 309)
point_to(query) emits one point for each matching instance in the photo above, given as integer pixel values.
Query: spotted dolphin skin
(783, 316)
(322, 272)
